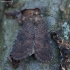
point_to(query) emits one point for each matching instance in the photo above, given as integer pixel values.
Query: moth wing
(43, 50)
(22, 47)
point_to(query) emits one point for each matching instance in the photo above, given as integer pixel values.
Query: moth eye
(36, 12)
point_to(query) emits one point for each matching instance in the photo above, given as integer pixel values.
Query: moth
(32, 38)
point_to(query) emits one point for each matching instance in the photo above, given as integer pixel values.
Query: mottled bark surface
(52, 11)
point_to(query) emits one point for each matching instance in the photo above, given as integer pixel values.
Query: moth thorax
(36, 20)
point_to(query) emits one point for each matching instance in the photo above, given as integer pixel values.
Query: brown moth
(33, 37)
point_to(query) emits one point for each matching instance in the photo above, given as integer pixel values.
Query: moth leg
(15, 63)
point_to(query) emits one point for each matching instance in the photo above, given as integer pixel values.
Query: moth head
(31, 12)
(27, 13)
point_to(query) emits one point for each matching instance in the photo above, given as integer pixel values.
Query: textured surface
(11, 27)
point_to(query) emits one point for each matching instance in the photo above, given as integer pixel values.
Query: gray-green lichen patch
(33, 64)
(1, 41)
(11, 29)
(1, 33)
(66, 29)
